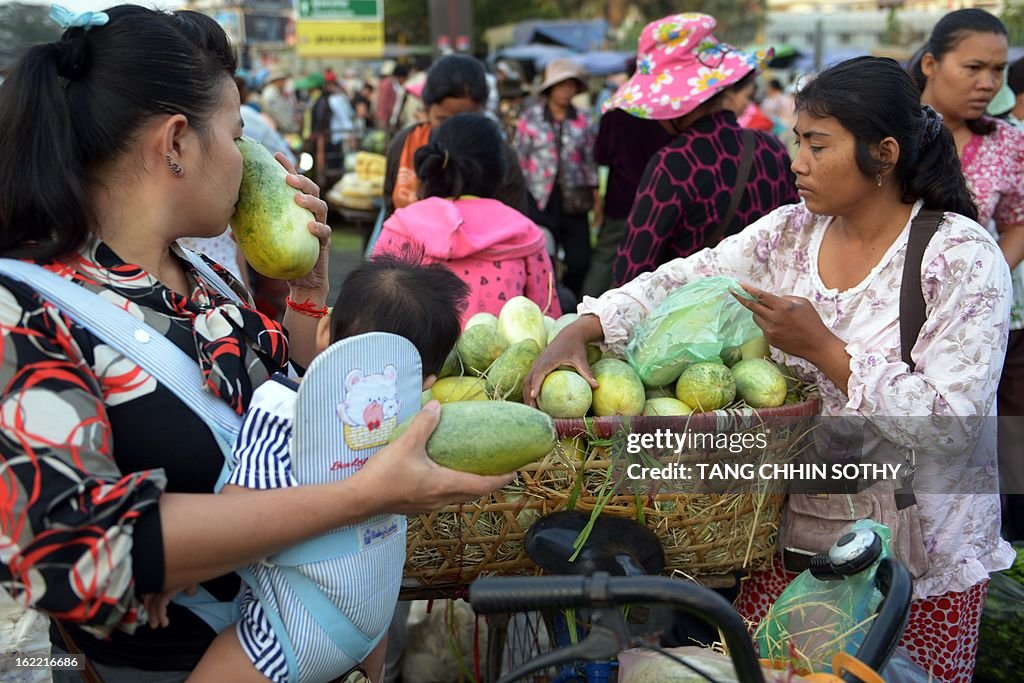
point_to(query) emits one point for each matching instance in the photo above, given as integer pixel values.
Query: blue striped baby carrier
(369, 556)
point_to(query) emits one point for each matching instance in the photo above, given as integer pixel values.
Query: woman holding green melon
(118, 139)
(825, 277)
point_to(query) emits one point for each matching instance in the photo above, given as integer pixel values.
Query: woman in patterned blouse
(555, 143)
(959, 72)
(117, 140)
(826, 275)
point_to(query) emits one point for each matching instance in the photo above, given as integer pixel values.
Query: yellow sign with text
(340, 38)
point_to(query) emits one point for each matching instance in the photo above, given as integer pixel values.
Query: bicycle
(615, 545)
(605, 594)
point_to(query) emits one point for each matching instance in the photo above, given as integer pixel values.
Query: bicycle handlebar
(514, 594)
(894, 582)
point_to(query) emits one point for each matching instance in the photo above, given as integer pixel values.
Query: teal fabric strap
(217, 615)
(378, 226)
(332, 620)
(210, 276)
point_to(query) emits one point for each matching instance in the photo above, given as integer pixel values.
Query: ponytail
(466, 155)
(936, 178)
(73, 108)
(45, 208)
(439, 176)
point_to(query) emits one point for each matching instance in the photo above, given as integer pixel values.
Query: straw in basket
(704, 533)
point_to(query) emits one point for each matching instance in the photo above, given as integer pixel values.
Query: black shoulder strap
(738, 190)
(912, 309)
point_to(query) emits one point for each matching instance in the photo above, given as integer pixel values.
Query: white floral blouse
(958, 357)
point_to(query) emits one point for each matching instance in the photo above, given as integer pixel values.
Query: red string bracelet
(307, 307)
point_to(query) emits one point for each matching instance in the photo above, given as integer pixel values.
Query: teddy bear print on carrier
(370, 408)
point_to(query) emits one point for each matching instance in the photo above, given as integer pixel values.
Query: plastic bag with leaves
(693, 324)
(812, 620)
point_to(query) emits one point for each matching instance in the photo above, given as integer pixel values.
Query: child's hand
(156, 606)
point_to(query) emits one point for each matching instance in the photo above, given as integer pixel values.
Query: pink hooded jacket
(497, 251)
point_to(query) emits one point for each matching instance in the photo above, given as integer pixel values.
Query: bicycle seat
(618, 546)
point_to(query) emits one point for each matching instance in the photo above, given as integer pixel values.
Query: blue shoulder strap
(159, 357)
(378, 227)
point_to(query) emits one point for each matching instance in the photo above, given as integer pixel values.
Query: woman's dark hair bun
(465, 155)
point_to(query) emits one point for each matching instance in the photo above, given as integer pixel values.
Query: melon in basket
(620, 391)
(706, 386)
(565, 394)
(759, 383)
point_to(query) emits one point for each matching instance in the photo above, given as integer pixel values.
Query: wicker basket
(703, 533)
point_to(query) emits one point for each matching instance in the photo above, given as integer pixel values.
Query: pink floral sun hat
(679, 66)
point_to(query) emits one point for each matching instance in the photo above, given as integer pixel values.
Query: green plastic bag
(812, 620)
(693, 324)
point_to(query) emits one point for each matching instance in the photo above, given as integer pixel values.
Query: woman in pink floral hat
(684, 201)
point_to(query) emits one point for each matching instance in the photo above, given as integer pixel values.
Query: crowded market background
(353, 117)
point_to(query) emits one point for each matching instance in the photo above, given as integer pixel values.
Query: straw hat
(278, 72)
(563, 69)
(679, 66)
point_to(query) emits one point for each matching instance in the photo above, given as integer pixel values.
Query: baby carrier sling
(181, 375)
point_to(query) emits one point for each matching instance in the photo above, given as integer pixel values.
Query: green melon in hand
(565, 394)
(488, 437)
(270, 228)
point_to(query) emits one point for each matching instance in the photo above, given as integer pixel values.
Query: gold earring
(176, 169)
(878, 179)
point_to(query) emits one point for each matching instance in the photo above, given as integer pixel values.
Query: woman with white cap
(277, 102)
(714, 177)
(555, 143)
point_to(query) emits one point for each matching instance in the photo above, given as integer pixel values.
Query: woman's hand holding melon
(405, 480)
(568, 348)
(313, 286)
(792, 325)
